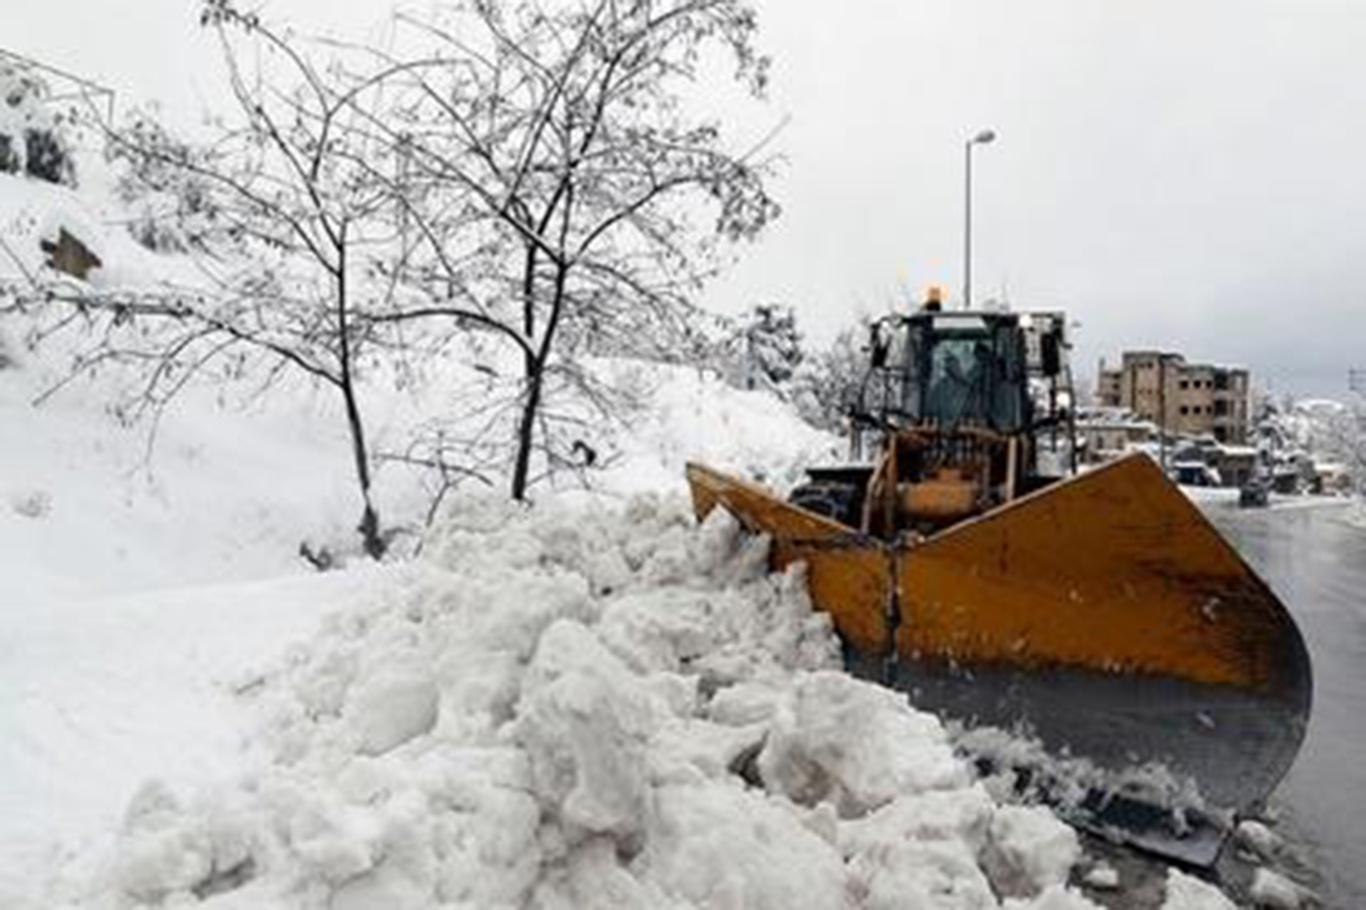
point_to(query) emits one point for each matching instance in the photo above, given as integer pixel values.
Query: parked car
(1254, 494)
(1194, 474)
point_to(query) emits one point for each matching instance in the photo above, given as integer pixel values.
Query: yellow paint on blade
(1112, 571)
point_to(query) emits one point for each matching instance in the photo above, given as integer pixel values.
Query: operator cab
(966, 410)
(960, 369)
(993, 371)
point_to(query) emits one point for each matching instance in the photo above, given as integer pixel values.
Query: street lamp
(983, 138)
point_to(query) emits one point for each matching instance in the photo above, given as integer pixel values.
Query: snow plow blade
(1103, 614)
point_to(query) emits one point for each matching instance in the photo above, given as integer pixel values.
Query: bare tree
(556, 178)
(284, 229)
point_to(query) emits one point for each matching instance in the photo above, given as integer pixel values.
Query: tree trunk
(369, 528)
(526, 428)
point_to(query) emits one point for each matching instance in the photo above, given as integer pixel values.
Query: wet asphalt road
(1316, 563)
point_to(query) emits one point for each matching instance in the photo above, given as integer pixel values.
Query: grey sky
(1183, 173)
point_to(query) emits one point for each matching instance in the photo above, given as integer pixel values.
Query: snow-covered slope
(86, 510)
(100, 695)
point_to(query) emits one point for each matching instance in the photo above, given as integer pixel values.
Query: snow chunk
(1056, 897)
(1186, 892)
(854, 743)
(940, 815)
(661, 630)
(584, 723)
(1273, 890)
(379, 890)
(594, 877)
(1030, 850)
(1103, 877)
(389, 710)
(722, 847)
(911, 874)
(165, 850)
(746, 703)
(1258, 838)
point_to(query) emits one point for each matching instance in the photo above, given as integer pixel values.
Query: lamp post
(983, 138)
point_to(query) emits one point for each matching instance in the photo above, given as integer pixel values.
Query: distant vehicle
(1255, 494)
(1195, 474)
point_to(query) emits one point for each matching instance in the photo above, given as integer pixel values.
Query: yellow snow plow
(1100, 612)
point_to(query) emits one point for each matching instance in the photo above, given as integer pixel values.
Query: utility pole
(983, 138)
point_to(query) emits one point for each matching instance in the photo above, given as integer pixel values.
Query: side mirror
(1050, 353)
(879, 348)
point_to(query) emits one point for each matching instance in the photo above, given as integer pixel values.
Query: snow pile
(694, 415)
(569, 707)
(1186, 892)
(1273, 890)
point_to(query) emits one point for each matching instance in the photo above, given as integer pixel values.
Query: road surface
(1316, 562)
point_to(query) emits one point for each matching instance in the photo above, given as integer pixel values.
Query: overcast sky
(1189, 174)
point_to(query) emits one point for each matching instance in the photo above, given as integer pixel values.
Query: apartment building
(1194, 399)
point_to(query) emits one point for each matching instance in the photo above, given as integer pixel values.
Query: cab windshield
(958, 369)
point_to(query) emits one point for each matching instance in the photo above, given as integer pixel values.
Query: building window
(1183, 384)
(1221, 381)
(1221, 408)
(1184, 409)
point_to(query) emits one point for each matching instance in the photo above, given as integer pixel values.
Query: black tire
(840, 501)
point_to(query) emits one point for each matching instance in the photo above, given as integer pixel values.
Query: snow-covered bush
(828, 384)
(1305, 439)
(764, 349)
(34, 136)
(162, 180)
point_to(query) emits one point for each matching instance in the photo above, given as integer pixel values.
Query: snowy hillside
(233, 486)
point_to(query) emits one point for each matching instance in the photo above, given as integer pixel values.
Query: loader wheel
(840, 501)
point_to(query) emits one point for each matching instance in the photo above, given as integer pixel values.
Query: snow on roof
(1322, 405)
